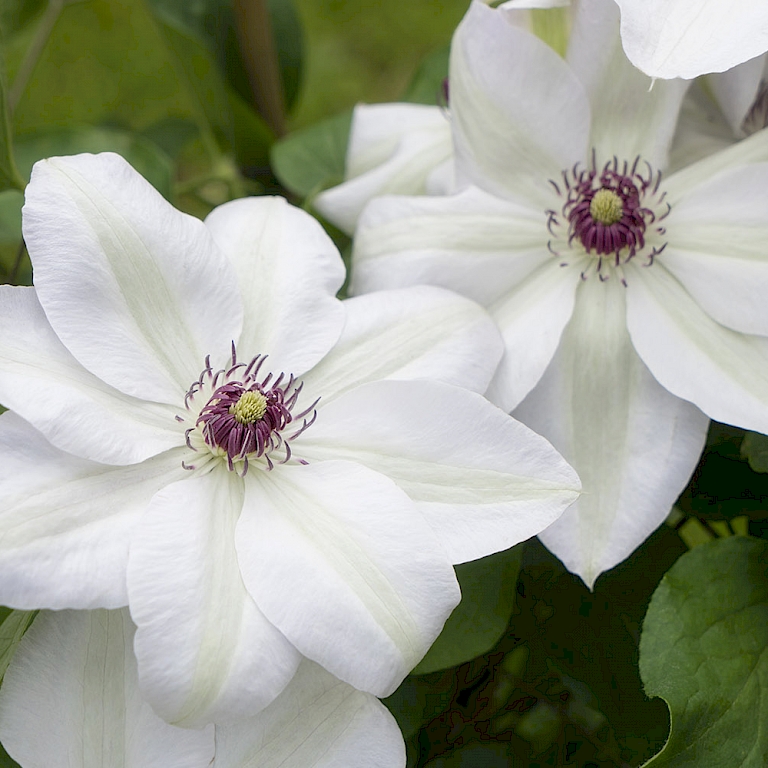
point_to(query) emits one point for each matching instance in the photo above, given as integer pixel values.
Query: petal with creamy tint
(316, 722)
(419, 332)
(206, 653)
(618, 427)
(482, 480)
(66, 523)
(136, 290)
(288, 271)
(71, 698)
(75, 410)
(341, 561)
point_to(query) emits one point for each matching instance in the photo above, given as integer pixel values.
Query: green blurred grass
(366, 50)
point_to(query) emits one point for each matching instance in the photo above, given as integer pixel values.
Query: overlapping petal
(723, 372)
(339, 559)
(393, 149)
(531, 319)
(735, 90)
(75, 410)
(717, 250)
(71, 698)
(753, 149)
(627, 119)
(419, 332)
(679, 38)
(633, 443)
(66, 523)
(511, 96)
(205, 651)
(483, 481)
(316, 722)
(288, 271)
(439, 241)
(136, 290)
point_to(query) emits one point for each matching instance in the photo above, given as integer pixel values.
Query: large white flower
(684, 38)
(247, 516)
(71, 699)
(624, 298)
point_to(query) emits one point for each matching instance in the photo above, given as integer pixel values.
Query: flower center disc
(249, 408)
(246, 415)
(606, 207)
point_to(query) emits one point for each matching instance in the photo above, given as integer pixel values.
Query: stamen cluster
(244, 414)
(609, 212)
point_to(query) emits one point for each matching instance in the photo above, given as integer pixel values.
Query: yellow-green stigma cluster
(250, 408)
(606, 207)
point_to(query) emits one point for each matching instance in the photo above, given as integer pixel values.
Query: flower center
(251, 407)
(606, 207)
(610, 216)
(241, 414)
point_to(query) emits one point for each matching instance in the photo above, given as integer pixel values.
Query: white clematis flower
(71, 699)
(247, 516)
(629, 303)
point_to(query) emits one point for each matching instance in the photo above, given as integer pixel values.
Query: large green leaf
(704, 650)
(488, 588)
(312, 159)
(128, 65)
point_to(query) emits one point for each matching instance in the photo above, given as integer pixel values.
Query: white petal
(136, 290)
(717, 247)
(340, 560)
(531, 318)
(680, 38)
(633, 444)
(316, 722)
(66, 523)
(628, 117)
(76, 411)
(392, 149)
(206, 653)
(70, 699)
(736, 90)
(751, 150)
(524, 4)
(419, 332)
(289, 271)
(520, 115)
(723, 372)
(473, 243)
(483, 481)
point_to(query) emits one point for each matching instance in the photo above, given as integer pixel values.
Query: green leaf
(488, 588)
(14, 625)
(120, 64)
(704, 650)
(312, 159)
(427, 85)
(754, 448)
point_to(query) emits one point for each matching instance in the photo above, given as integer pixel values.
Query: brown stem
(257, 46)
